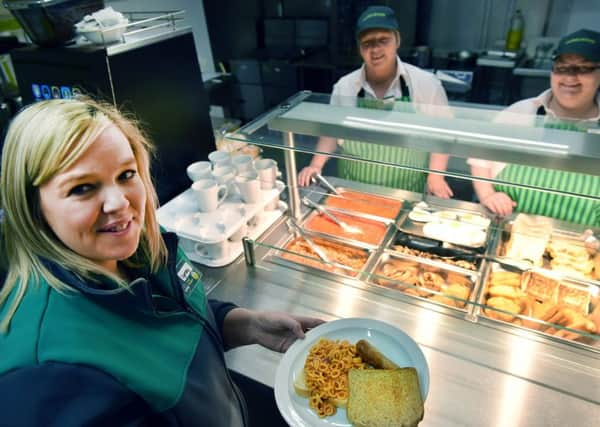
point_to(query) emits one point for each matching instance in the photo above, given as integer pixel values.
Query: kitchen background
(253, 54)
(266, 50)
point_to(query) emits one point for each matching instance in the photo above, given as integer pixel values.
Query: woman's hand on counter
(499, 203)
(437, 185)
(305, 175)
(273, 330)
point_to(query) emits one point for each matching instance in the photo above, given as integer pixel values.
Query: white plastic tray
(215, 238)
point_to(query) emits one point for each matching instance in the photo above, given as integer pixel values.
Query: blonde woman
(103, 320)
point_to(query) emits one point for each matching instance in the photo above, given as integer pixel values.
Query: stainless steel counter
(481, 374)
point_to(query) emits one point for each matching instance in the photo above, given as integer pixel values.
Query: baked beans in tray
(365, 231)
(370, 205)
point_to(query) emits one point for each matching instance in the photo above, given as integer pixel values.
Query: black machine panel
(160, 82)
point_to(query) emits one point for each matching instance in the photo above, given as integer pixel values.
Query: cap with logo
(582, 42)
(376, 17)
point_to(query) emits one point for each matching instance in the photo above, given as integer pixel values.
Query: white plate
(420, 215)
(392, 342)
(455, 232)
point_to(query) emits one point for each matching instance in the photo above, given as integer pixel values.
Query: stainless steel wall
(449, 25)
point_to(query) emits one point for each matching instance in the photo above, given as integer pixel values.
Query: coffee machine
(154, 75)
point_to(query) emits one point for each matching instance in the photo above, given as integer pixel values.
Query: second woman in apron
(572, 103)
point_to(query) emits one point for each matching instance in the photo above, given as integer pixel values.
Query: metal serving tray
(560, 229)
(319, 195)
(346, 238)
(413, 272)
(326, 199)
(430, 249)
(280, 255)
(409, 226)
(523, 320)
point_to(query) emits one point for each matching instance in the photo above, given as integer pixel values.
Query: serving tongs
(453, 253)
(291, 222)
(317, 177)
(346, 227)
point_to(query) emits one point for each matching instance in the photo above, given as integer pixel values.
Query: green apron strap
(383, 175)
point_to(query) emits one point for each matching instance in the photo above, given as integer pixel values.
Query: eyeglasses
(373, 43)
(573, 70)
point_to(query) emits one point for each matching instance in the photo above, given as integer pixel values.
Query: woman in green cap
(384, 82)
(571, 103)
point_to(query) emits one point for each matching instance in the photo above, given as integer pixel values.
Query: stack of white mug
(224, 175)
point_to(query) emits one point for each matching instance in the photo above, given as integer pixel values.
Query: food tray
(537, 301)
(416, 228)
(291, 256)
(320, 195)
(378, 207)
(321, 224)
(566, 233)
(215, 238)
(424, 248)
(429, 280)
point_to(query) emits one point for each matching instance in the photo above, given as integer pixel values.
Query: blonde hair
(42, 140)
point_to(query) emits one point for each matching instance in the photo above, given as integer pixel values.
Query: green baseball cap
(376, 17)
(582, 42)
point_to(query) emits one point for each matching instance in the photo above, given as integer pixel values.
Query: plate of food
(351, 371)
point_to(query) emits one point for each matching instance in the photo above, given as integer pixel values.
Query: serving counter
(481, 374)
(503, 308)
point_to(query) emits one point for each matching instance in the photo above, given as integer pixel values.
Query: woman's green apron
(566, 208)
(388, 176)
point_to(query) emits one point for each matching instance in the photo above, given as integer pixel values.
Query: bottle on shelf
(514, 35)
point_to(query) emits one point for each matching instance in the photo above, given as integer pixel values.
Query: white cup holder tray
(215, 238)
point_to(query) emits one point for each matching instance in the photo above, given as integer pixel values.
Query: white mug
(209, 194)
(225, 175)
(199, 170)
(249, 187)
(219, 158)
(267, 173)
(243, 163)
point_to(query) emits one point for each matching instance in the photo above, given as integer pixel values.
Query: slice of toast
(384, 398)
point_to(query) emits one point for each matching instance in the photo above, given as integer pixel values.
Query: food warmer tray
(407, 225)
(352, 220)
(319, 195)
(560, 229)
(413, 278)
(524, 319)
(329, 201)
(278, 254)
(425, 248)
